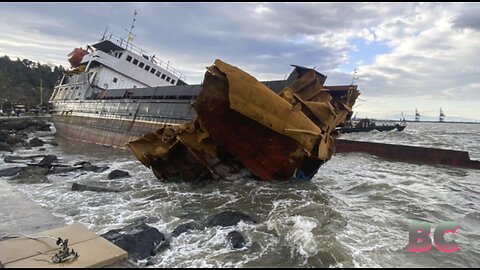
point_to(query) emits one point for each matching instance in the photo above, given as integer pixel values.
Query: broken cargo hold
(241, 123)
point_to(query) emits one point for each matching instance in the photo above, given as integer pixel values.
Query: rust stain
(242, 124)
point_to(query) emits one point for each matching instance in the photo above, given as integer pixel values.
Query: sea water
(355, 212)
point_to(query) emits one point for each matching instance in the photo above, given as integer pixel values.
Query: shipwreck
(241, 123)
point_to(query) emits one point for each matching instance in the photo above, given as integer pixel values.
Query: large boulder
(139, 240)
(118, 174)
(229, 218)
(236, 239)
(32, 175)
(35, 142)
(48, 160)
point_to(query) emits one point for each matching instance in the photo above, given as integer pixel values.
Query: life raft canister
(76, 56)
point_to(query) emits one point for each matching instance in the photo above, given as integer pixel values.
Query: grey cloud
(469, 18)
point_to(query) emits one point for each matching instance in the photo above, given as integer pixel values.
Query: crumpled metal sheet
(242, 124)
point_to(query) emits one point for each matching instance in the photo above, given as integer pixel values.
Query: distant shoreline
(438, 122)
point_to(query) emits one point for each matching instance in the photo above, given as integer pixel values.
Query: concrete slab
(19, 214)
(94, 250)
(22, 247)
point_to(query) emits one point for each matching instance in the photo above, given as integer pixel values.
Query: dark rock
(139, 240)
(236, 239)
(54, 143)
(81, 163)
(35, 142)
(61, 169)
(20, 159)
(81, 187)
(229, 218)
(87, 166)
(162, 247)
(42, 126)
(118, 174)
(13, 140)
(10, 171)
(32, 175)
(25, 124)
(48, 160)
(191, 226)
(5, 147)
(4, 135)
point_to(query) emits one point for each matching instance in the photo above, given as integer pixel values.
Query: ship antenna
(354, 77)
(105, 33)
(130, 36)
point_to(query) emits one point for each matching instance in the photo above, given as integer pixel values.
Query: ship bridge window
(163, 76)
(120, 55)
(172, 82)
(147, 68)
(141, 65)
(129, 58)
(168, 79)
(158, 74)
(115, 80)
(153, 71)
(135, 61)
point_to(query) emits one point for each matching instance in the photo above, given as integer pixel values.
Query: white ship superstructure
(113, 63)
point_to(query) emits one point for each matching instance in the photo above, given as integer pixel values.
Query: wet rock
(236, 239)
(13, 140)
(35, 142)
(161, 247)
(118, 174)
(21, 159)
(32, 175)
(5, 147)
(54, 143)
(139, 240)
(4, 135)
(48, 160)
(81, 163)
(42, 126)
(87, 166)
(10, 171)
(62, 169)
(25, 124)
(191, 226)
(82, 187)
(229, 218)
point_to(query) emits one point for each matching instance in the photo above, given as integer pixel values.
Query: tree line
(20, 82)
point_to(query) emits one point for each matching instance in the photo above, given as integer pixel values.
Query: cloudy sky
(408, 55)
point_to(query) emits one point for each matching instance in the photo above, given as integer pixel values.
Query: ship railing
(120, 41)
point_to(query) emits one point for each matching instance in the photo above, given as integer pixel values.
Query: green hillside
(20, 81)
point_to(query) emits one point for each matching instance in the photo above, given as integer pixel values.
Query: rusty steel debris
(243, 124)
(409, 153)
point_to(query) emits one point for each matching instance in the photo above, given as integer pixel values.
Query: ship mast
(417, 115)
(130, 35)
(441, 118)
